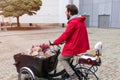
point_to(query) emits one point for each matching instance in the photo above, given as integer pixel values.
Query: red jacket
(75, 37)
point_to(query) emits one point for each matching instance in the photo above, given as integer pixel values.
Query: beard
(68, 16)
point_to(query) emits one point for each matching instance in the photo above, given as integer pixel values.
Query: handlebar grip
(50, 43)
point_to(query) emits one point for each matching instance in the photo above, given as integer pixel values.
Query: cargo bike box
(39, 66)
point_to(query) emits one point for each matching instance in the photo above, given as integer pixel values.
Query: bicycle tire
(26, 74)
(87, 73)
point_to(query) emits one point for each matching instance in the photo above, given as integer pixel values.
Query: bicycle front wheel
(26, 74)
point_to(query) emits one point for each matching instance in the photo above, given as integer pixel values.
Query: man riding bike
(75, 38)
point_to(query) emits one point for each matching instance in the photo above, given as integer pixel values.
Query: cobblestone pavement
(12, 42)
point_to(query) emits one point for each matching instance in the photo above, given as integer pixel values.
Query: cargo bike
(35, 68)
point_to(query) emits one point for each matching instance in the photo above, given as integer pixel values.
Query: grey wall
(115, 11)
(94, 8)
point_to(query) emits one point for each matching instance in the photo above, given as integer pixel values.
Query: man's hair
(72, 9)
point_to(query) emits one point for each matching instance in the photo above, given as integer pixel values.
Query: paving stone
(13, 42)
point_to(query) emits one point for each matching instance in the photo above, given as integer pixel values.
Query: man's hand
(51, 43)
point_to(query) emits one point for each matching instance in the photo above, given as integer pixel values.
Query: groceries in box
(41, 51)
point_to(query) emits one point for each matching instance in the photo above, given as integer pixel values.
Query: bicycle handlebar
(50, 43)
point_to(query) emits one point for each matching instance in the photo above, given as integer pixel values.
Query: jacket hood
(79, 19)
(82, 18)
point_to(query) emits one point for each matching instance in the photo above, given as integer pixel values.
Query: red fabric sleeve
(66, 34)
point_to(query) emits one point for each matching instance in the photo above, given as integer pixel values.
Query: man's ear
(69, 13)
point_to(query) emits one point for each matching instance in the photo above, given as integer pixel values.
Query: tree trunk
(18, 23)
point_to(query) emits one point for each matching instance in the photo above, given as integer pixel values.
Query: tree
(17, 8)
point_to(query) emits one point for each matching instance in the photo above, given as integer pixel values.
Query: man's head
(71, 10)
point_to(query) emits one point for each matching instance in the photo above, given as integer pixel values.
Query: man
(75, 38)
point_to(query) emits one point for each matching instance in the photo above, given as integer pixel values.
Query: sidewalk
(13, 42)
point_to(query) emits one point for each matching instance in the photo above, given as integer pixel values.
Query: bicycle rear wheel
(86, 73)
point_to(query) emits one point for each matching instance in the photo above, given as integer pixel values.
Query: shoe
(68, 78)
(74, 77)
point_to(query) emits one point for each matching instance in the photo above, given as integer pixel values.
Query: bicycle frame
(92, 69)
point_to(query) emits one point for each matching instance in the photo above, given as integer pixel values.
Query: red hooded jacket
(75, 37)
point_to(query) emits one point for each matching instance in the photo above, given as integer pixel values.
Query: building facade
(99, 13)
(52, 11)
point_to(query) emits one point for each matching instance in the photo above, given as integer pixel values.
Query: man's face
(68, 14)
